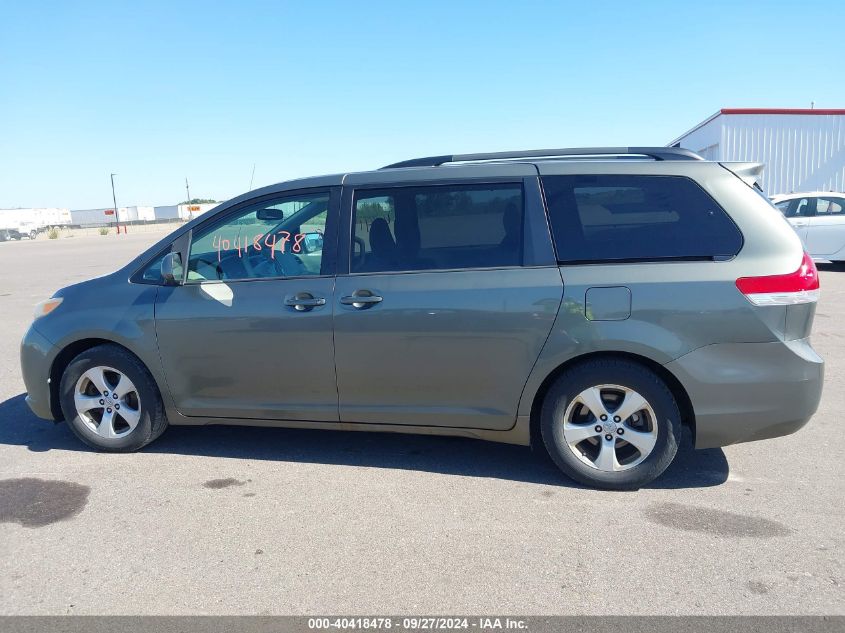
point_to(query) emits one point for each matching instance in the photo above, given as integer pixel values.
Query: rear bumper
(742, 392)
(37, 354)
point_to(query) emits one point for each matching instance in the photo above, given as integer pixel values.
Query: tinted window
(437, 227)
(798, 208)
(280, 237)
(605, 218)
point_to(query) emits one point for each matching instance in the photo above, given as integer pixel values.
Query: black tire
(611, 372)
(152, 422)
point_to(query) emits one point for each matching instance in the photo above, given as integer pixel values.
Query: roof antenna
(251, 177)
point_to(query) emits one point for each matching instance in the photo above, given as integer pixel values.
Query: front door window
(276, 238)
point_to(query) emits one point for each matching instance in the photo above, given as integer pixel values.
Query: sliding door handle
(352, 300)
(361, 299)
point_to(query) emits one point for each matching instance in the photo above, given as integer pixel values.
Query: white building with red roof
(803, 149)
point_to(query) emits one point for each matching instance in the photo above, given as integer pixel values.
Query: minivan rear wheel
(111, 401)
(611, 424)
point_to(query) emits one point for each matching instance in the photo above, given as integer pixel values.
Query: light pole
(114, 199)
(188, 191)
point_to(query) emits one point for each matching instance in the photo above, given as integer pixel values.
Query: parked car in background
(819, 219)
(18, 234)
(30, 229)
(5, 235)
(589, 302)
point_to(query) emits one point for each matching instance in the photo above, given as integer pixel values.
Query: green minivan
(591, 302)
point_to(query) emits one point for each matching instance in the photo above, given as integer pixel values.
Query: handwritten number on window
(270, 241)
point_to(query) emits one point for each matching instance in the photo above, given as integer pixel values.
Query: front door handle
(361, 299)
(304, 301)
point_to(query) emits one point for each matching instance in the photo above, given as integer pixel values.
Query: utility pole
(188, 191)
(114, 199)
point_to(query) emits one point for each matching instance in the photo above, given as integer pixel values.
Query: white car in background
(819, 219)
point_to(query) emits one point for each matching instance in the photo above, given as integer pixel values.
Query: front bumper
(742, 392)
(37, 354)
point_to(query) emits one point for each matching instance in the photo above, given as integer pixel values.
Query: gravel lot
(240, 521)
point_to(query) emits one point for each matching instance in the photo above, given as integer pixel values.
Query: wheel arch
(65, 357)
(678, 391)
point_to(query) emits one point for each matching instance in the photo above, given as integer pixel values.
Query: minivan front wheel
(110, 400)
(611, 424)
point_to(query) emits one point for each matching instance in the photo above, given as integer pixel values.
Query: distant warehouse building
(138, 214)
(167, 212)
(190, 211)
(804, 150)
(104, 217)
(184, 211)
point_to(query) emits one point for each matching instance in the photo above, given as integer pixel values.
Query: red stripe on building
(782, 111)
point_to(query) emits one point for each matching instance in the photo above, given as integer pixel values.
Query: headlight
(46, 307)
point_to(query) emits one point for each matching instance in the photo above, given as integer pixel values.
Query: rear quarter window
(597, 218)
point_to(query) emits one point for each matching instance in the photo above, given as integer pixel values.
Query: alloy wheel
(610, 427)
(107, 402)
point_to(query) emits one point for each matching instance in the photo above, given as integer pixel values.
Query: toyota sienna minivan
(589, 302)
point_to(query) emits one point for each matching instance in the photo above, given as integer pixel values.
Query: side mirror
(313, 241)
(171, 269)
(271, 215)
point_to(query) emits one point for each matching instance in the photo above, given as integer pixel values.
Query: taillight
(802, 286)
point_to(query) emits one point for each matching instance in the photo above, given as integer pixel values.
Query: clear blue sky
(160, 90)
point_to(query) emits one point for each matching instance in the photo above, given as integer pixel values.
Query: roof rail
(657, 153)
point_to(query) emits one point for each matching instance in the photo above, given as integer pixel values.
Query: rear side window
(830, 206)
(596, 218)
(437, 227)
